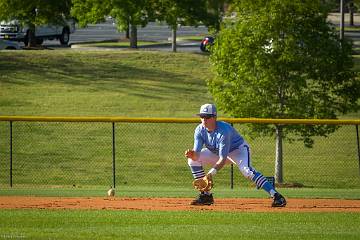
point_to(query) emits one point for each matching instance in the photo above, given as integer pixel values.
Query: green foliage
(90, 11)
(126, 12)
(35, 12)
(190, 12)
(175, 12)
(282, 59)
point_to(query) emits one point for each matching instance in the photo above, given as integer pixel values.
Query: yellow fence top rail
(178, 120)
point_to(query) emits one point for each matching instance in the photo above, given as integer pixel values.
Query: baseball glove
(203, 184)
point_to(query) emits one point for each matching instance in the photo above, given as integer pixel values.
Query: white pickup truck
(13, 30)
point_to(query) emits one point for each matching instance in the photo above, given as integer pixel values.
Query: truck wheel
(65, 36)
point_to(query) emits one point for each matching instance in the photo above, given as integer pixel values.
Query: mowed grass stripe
(86, 224)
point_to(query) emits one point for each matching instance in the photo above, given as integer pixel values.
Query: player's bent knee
(247, 172)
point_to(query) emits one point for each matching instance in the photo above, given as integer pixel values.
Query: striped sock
(197, 171)
(262, 182)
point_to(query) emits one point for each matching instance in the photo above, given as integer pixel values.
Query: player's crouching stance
(223, 144)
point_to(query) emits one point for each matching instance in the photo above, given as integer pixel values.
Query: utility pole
(342, 19)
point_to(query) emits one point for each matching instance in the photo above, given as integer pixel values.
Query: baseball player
(223, 144)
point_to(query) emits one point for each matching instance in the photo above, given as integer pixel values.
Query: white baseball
(111, 192)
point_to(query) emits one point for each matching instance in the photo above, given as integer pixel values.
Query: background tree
(216, 11)
(282, 59)
(34, 13)
(189, 13)
(133, 13)
(179, 12)
(126, 13)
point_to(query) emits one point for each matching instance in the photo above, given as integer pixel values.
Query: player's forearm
(218, 165)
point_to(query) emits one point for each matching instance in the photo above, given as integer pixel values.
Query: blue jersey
(221, 141)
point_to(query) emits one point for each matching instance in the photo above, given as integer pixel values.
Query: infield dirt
(178, 204)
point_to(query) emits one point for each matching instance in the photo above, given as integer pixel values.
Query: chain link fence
(150, 153)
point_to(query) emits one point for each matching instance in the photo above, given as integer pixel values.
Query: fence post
(11, 157)
(232, 171)
(113, 154)
(232, 176)
(358, 144)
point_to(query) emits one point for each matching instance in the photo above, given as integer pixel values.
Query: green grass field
(74, 159)
(119, 44)
(47, 224)
(124, 43)
(109, 83)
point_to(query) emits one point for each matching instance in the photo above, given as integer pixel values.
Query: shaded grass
(124, 43)
(82, 224)
(120, 44)
(99, 83)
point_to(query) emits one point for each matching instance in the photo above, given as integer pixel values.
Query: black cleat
(203, 199)
(279, 201)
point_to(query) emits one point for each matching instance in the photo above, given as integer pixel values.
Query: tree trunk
(173, 38)
(31, 42)
(279, 155)
(351, 13)
(127, 32)
(133, 36)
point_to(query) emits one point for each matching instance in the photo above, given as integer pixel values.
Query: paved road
(152, 32)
